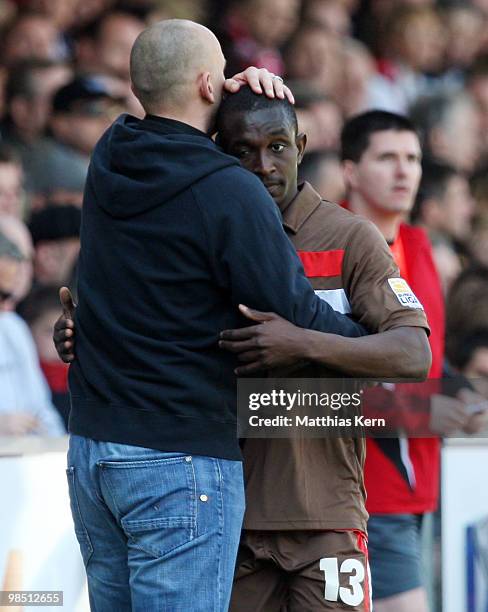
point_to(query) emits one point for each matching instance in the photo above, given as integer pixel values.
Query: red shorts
(294, 571)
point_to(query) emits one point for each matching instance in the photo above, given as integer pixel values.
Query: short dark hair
(357, 131)
(8, 155)
(467, 345)
(22, 81)
(479, 68)
(435, 179)
(246, 101)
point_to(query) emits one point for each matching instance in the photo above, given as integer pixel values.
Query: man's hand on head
(273, 342)
(260, 81)
(64, 328)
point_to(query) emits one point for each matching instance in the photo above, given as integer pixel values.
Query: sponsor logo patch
(404, 294)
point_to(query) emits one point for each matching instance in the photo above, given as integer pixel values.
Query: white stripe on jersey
(336, 298)
(407, 461)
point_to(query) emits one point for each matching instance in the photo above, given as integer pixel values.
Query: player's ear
(349, 171)
(301, 142)
(206, 88)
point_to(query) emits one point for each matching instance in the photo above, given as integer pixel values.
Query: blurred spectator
(11, 188)
(56, 235)
(40, 310)
(474, 358)
(195, 10)
(320, 118)
(467, 306)
(471, 358)
(324, 172)
(478, 244)
(447, 261)
(444, 203)
(7, 12)
(82, 110)
(30, 88)
(479, 187)
(445, 208)
(16, 232)
(477, 86)
(25, 405)
(31, 35)
(449, 127)
(465, 26)
(3, 85)
(104, 46)
(61, 12)
(87, 11)
(332, 14)
(254, 31)
(482, 5)
(314, 56)
(415, 44)
(358, 69)
(102, 49)
(29, 92)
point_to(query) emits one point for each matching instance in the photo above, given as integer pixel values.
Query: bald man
(175, 234)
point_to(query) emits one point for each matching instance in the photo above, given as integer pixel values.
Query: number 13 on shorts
(353, 574)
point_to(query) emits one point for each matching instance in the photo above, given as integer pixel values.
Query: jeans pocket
(80, 529)
(154, 501)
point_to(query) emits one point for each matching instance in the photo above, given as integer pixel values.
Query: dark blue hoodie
(175, 234)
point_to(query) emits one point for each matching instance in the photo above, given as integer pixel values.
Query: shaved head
(167, 59)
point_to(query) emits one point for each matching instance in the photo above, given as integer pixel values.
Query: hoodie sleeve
(252, 257)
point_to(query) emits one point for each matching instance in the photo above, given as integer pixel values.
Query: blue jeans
(158, 531)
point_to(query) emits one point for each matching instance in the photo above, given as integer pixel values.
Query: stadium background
(64, 77)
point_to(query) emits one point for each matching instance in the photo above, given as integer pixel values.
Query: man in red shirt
(380, 153)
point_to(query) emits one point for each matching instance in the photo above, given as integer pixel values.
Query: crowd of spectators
(64, 76)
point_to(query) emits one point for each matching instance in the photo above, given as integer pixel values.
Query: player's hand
(17, 423)
(64, 328)
(274, 342)
(260, 80)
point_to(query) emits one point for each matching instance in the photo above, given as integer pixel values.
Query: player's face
(387, 175)
(266, 144)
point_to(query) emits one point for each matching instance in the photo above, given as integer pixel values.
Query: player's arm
(372, 285)
(402, 352)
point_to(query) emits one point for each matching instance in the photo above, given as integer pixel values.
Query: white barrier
(38, 547)
(39, 551)
(464, 502)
